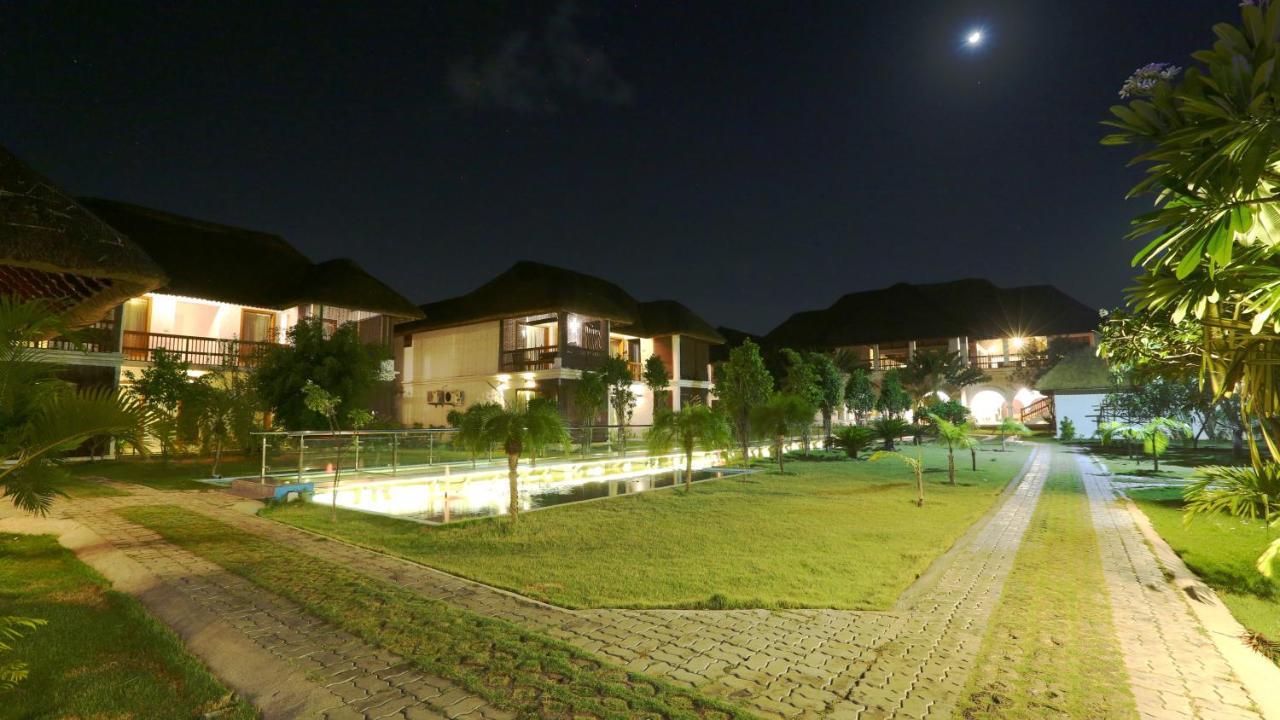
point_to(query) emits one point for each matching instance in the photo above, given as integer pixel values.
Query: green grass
(1176, 463)
(827, 534)
(1222, 551)
(526, 672)
(177, 474)
(100, 655)
(1050, 650)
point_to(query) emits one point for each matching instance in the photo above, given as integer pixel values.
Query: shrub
(853, 439)
(1067, 430)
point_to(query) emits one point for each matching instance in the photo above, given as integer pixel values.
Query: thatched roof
(245, 267)
(1079, 371)
(668, 317)
(532, 288)
(53, 248)
(972, 308)
(343, 283)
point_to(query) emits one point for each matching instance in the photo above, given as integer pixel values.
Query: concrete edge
(1260, 676)
(252, 672)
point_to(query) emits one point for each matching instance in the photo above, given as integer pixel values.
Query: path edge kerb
(276, 689)
(940, 563)
(1260, 676)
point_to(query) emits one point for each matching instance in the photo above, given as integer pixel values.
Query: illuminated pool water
(442, 499)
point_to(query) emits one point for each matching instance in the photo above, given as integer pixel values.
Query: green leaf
(1190, 261)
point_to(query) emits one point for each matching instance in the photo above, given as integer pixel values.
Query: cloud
(541, 72)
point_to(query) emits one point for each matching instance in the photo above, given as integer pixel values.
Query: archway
(987, 406)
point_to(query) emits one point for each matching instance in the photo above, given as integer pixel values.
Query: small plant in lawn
(326, 404)
(854, 439)
(784, 415)
(12, 628)
(952, 436)
(690, 427)
(889, 429)
(1009, 427)
(915, 463)
(1157, 434)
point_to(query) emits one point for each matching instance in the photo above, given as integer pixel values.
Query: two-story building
(1005, 332)
(533, 330)
(230, 292)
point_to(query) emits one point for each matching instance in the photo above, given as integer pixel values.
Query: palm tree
(780, 418)
(854, 438)
(692, 426)
(890, 429)
(1009, 426)
(971, 442)
(1242, 492)
(953, 436)
(916, 465)
(42, 417)
(1156, 435)
(523, 426)
(470, 427)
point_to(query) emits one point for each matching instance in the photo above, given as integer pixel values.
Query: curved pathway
(910, 662)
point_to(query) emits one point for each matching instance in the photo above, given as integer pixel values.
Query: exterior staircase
(1039, 412)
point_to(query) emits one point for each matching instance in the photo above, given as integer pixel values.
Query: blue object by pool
(282, 491)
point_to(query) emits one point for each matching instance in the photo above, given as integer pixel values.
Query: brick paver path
(364, 681)
(911, 662)
(1175, 670)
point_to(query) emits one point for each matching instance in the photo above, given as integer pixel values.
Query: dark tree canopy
(340, 364)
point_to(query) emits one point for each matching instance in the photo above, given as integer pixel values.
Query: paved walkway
(352, 679)
(911, 662)
(1175, 669)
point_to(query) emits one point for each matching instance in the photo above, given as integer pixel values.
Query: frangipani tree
(689, 428)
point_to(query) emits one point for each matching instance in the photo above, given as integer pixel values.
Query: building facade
(1009, 334)
(532, 331)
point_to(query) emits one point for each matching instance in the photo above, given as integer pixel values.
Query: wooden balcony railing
(195, 350)
(549, 357)
(99, 337)
(1001, 362)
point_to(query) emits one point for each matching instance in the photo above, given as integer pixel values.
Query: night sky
(750, 159)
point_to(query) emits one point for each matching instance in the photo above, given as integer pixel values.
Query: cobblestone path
(1174, 668)
(911, 662)
(363, 681)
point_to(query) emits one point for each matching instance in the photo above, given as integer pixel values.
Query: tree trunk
(951, 466)
(217, 455)
(919, 488)
(1155, 457)
(333, 494)
(888, 444)
(781, 450)
(513, 461)
(688, 471)
(826, 428)
(973, 458)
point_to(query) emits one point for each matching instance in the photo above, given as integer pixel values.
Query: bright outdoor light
(1017, 342)
(974, 38)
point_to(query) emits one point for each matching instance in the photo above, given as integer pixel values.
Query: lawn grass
(1222, 551)
(1177, 463)
(100, 655)
(523, 671)
(827, 534)
(1050, 650)
(177, 474)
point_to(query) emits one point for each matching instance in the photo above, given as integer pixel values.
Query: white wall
(456, 352)
(1082, 409)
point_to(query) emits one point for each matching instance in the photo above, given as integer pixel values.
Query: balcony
(1010, 362)
(550, 357)
(203, 351)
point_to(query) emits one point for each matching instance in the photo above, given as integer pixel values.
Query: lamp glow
(974, 38)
